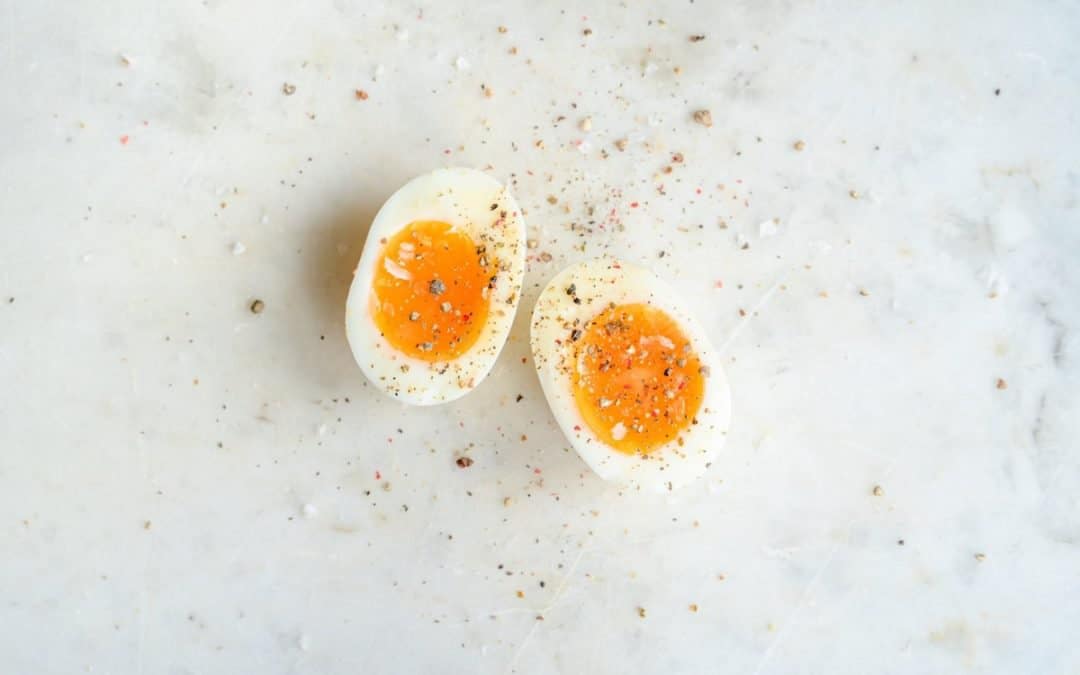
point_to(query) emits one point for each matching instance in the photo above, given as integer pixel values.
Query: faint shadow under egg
(318, 327)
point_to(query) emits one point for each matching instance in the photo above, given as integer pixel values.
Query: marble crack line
(793, 616)
(544, 611)
(750, 315)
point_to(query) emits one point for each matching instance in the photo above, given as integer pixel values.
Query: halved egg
(629, 375)
(437, 285)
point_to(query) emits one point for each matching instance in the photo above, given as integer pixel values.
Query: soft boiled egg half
(435, 291)
(630, 376)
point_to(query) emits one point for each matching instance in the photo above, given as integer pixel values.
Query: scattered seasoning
(854, 194)
(503, 29)
(575, 334)
(532, 243)
(620, 144)
(129, 62)
(414, 316)
(585, 124)
(899, 542)
(877, 491)
(507, 501)
(997, 92)
(446, 307)
(863, 292)
(488, 91)
(677, 158)
(693, 607)
(799, 146)
(587, 32)
(545, 256)
(425, 346)
(978, 556)
(519, 398)
(703, 117)
(288, 89)
(146, 525)
(697, 38)
(464, 462)
(124, 139)
(257, 307)
(641, 612)
(1002, 384)
(361, 95)
(436, 287)
(552, 199)
(520, 594)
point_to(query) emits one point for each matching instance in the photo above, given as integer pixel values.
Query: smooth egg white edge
(463, 198)
(599, 282)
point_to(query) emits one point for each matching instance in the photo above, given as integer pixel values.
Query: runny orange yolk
(636, 381)
(431, 289)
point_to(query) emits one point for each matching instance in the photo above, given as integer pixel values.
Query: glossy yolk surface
(636, 381)
(430, 291)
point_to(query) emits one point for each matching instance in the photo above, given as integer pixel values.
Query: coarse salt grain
(395, 270)
(618, 432)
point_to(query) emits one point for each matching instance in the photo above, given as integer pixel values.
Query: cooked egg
(630, 376)
(437, 285)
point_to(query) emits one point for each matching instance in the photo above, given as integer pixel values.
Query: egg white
(597, 283)
(479, 206)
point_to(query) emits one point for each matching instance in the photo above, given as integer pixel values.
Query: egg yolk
(636, 380)
(430, 292)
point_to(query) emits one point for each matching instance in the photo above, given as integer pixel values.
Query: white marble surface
(160, 445)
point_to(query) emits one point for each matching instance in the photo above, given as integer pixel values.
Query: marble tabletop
(879, 231)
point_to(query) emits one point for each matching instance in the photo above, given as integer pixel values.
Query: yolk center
(431, 289)
(635, 378)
